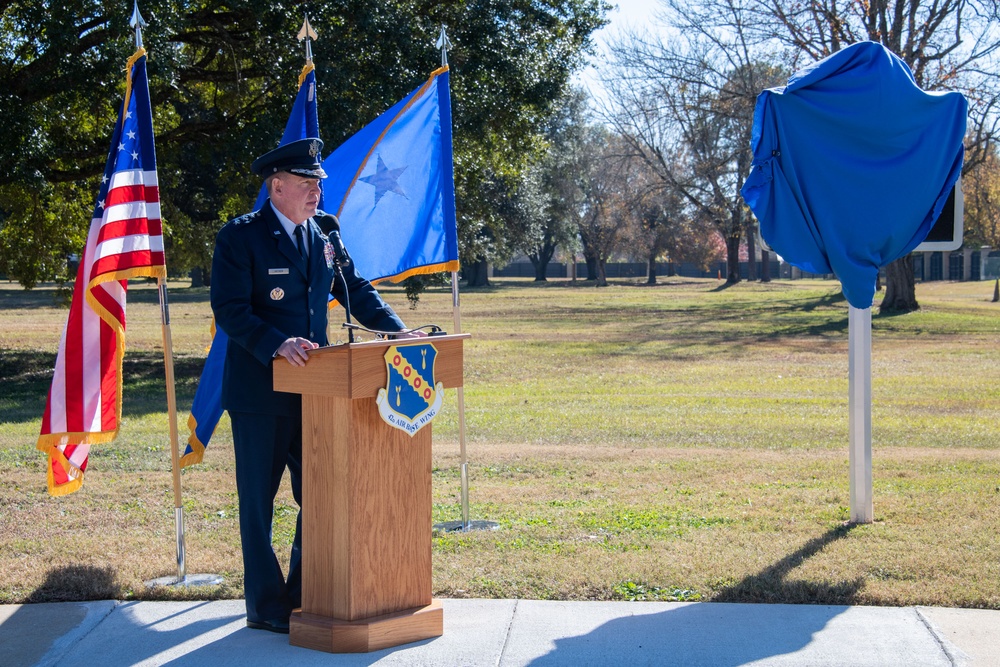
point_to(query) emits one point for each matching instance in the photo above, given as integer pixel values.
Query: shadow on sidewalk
(716, 633)
(33, 630)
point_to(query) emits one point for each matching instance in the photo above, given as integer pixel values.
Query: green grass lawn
(678, 441)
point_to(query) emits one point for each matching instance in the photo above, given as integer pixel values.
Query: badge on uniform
(411, 398)
(277, 294)
(328, 253)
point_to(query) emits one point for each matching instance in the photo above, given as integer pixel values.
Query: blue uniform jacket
(263, 292)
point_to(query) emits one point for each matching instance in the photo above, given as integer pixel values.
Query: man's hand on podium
(294, 350)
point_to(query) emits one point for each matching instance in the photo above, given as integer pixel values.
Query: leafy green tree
(222, 77)
(554, 183)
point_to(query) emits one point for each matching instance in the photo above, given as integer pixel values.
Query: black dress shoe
(279, 625)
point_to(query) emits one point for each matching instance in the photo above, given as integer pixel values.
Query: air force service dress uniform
(264, 292)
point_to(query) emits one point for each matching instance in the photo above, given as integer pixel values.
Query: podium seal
(411, 397)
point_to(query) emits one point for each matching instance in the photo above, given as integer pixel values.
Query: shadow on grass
(26, 376)
(77, 583)
(770, 584)
(52, 296)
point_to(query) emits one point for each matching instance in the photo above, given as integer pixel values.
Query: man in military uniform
(272, 273)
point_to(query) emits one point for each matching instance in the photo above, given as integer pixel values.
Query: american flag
(125, 241)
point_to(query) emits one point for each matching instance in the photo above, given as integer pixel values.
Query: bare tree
(981, 186)
(656, 218)
(607, 191)
(676, 99)
(686, 107)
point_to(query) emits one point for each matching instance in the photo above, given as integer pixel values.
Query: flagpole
(444, 44)
(308, 34)
(182, 578)
(175, 456)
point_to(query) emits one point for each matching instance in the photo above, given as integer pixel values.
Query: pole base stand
(462, 527)
(186, 581)
(322, 633)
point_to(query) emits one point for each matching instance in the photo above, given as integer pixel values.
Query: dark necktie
(300, 240)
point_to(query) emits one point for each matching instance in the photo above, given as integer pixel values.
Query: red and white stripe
(84, 405)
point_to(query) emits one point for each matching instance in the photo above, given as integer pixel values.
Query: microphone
(336, 253)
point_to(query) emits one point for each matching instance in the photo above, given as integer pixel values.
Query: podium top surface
(358, 370)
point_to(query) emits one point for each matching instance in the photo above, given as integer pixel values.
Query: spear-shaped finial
(138, 23)
(444, 44)
(307, 33)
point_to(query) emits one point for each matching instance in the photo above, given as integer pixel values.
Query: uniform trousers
(265, 445)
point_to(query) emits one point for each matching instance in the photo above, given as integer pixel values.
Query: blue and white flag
(394, 181)
(206, 409)
(303, 122)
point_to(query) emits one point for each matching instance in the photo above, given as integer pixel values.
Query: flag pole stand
(182, 578)
(465, 525)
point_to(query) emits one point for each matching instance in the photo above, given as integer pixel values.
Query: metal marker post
(859, 352)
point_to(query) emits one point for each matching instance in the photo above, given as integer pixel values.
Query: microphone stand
(347, 298)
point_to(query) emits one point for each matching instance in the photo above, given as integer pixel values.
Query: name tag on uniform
(277, 272)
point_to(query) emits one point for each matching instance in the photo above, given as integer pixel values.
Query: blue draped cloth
(852, 165)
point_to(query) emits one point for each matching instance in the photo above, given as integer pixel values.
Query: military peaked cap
(301, 158)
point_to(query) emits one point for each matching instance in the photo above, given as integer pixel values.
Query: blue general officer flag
(206, 409)
(853, 163)
(394, 180)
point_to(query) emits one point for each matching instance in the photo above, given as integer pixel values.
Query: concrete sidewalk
(514, 632)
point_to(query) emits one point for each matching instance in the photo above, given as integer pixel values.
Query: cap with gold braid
(302, 158)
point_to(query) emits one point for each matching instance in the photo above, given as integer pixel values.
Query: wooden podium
(366, 494)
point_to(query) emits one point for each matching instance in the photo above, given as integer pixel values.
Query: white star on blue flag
(384, 180)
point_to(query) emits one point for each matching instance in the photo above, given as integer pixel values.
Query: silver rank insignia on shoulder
(277, 294)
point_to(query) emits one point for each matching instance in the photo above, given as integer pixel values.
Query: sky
(626, 13)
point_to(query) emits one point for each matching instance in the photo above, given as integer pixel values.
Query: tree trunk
(201, 277)
(602, 273)
(540, 269)
(733, 259)
(478, 273)
(900, 287)
(765, 266)
(651, 272)
(591, 261)
(751, 256)
(671, 271)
